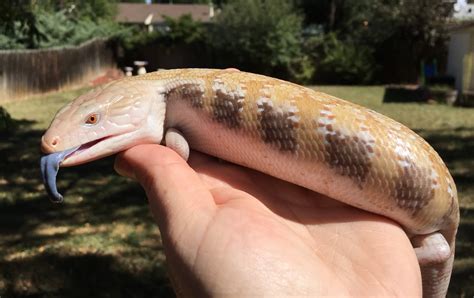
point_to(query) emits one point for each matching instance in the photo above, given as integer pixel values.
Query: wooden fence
(27, 72)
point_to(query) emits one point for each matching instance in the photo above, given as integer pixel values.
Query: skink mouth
(50, 166)
(86, 146)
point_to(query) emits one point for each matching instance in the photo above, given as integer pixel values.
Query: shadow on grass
(88, 275)
(462, 280)
(451, 144)
(456, 148)
(93, 192)
(36, 236)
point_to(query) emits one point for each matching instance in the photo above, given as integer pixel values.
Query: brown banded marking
(227, 105)
(348, 154)
(449, 217)
(189, 92)
(413, 188)
(278, 124)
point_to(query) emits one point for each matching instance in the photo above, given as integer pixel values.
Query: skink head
(107, 120)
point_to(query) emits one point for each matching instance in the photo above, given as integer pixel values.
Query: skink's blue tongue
(49, 170)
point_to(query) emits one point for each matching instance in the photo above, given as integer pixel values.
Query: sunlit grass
(41, 109)
(414, 115)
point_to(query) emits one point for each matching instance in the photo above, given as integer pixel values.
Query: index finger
(174, 190)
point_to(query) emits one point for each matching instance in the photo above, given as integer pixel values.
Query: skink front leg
(175, 140)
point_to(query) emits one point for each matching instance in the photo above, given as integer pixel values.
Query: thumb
(175, 192)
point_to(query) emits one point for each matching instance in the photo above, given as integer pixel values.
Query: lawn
(102, 241)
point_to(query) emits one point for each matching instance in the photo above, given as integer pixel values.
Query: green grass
(102, 241)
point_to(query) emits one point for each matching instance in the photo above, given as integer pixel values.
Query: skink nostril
(48, 144)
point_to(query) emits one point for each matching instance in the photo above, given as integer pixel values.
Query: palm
(242, 232)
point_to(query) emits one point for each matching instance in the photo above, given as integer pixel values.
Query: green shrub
(6, 122)
(340, 61)
(57, 28)
(261, 36)
(181, 30)
(302, 70)
(8, 42)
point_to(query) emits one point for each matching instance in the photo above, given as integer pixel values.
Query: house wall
(459, 46)
(468, 71)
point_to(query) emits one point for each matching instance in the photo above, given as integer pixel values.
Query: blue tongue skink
(296, 134)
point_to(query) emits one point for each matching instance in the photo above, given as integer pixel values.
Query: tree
(263, 36)
(400, 33)
(17, 19)
(407, 32)
(83, 9)
(340, 62)
(40, 24)
(216, 2)
(7, 124)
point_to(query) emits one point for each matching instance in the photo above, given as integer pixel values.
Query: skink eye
(92, 119)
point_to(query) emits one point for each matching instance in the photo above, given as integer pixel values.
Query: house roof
(139, 12)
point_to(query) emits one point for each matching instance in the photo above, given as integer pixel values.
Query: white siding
(459, 46)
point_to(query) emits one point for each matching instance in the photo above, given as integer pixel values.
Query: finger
(174, 190)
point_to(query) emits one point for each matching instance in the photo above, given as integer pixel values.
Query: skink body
(306, 137)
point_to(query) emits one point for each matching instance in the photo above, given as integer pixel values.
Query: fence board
(27, 72)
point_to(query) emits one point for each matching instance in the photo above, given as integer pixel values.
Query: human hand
(229, 230)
